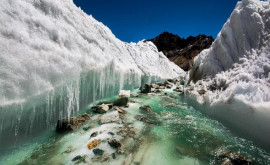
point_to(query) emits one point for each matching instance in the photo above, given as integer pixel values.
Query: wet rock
(120, 110)
(134, 95)
(121, 101)
(169, 86)
(146, 88)
(161, 87)
(101, 109)
(146, 108)
(93, 144)
(233, 158)
(178, 89)
(155, 86)
(170, 80)
(86, 128)
(94, 134)
(157, 91)
(124, 94)
(126, 132)
(109, 118)
(165, 93)
(111, 133)
(201, 91)
(86, 116)
(98, 152)
(114, 143)
(144, 119)
(76, 158)
(126, 106)
(114, 155)
(65, 125)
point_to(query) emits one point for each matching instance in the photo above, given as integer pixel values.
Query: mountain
(235, 72)
(180, 50)
(55, 60)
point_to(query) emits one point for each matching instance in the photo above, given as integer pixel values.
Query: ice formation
(55, 59)
(235, 72)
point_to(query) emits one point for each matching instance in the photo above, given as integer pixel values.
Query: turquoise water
(183, 135)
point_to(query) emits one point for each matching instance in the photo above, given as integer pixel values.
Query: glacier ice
(235, 72)
(55, 60)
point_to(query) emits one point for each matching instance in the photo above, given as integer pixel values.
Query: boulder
(169, 86)
(161, 87)
(146, 88)
(64, 125)
(155, 86)
(124, 93)
(120, 110)
(93, 144)
(121, 101)
(110, 117)
(101, 108)
(98, 152)
(144, 119)
(114, 143)
(147, 109)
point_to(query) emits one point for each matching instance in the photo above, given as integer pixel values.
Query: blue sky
(134, 20)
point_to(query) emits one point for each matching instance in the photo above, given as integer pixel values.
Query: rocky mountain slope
(180, 50)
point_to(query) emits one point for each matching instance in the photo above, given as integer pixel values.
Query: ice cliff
(235, 72)
(55, 59)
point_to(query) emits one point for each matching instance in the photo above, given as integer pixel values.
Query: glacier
(55, 60)
(235, 73)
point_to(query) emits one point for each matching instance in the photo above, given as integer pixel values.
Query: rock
(170, 80)
(86, 116)
(146, 108)
(94, 134)
(121, 101)
(157, 91)
(178, 89)
(109, 118)
(114, 143)
(98, 152)
(155, 86)
(101, 108)
(161, 87)
(146, 88)
(69, 149)
(134, 95)
(165, 93)
(124, 93)
(126, 106)
(76, 158)
(126, 132)
(113, 155)
(169, 86)
(71, 124)
(86, 128)
(93, 144)
(111, 133)
(144, 119)
(229, 158)
(120, 110)
(201, 91)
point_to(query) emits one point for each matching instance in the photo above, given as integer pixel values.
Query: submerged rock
(98, 152)
(146, 108)
(144, 119)
(110, 117)
(201, 91)
(93, 144)
(101, 109)
(233, 158)
(146, 88)
(114, 143)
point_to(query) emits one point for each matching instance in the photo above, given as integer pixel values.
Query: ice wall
(235, 73)
(55, 60)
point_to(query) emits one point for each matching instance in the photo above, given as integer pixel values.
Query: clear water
(184, 136)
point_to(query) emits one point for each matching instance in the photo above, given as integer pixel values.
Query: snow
(237, 65)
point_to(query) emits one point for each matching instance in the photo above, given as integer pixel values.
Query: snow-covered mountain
(55, 59)
(236, 72)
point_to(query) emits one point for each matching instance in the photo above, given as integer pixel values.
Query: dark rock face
(182, 51)
(146, 88)
(65, 125)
